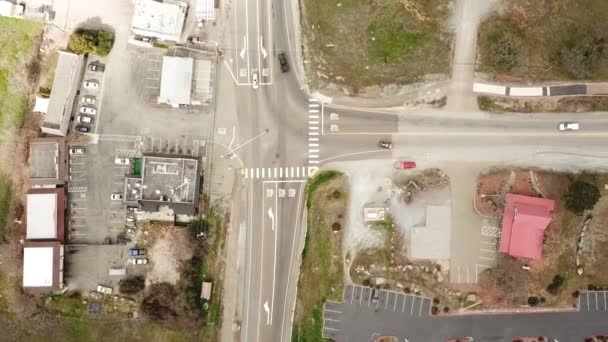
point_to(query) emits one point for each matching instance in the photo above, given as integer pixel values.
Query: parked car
(90, 84)
(104, 289)
(88, 110)
(76, 150)
(96, 66)
(88, 99)
(122, 161)
(283, 62)
(138, 261)
(137, 252)
(385, 144)
(85, 119)
(375, 295)
(83, 128)
(407, 164)
(597, 338)
(116, 197)
(569, 126)
(254, 80)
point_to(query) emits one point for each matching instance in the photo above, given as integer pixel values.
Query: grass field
(546, 40)
(359, 43)
(17, 40)
(321, 273)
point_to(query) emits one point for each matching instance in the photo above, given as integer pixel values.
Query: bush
(159, 303)
(533, 301)
(556, 284)
(581, 53)
(99, 42)
(581, 196)
(132, 285)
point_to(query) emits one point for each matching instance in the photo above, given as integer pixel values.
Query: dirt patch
(168, 248)
(353, 44)
(572, 104)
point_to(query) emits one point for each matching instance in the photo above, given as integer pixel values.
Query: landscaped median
(360, 43)
(321, 273)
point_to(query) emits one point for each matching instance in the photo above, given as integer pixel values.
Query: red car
(408, 164)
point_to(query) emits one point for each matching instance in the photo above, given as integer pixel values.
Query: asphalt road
(278, 128)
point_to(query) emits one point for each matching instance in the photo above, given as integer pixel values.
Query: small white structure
(176, 81)
(162, 20)
(374, 214)
(41, 216)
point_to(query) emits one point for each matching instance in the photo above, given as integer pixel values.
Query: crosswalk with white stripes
(295, 172)
(314, 130)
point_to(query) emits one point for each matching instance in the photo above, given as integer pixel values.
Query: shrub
(99, 42)
(159, 302)
(556, 284)
(581, 53)
(581, 196)
(533, 301)
(132, 285)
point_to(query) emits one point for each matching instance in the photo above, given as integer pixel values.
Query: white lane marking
(486, 258)
(313, 128)
(313, 151)
(313, 145)
(312, 122)
(313, 116)
(404, 300)
(263, 172)
(276, 231)
(313, 133)
(257, 173)
(267, 310)
(313, 162)
(313, 111)
(487, 250)
(421, 305)
(352, 295)
(588, 306)
(395, 306)
(332, 320)
(313, 139)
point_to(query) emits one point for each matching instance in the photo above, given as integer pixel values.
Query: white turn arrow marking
(262, 47)
(267, 309)
(271, 215)
(244, 49)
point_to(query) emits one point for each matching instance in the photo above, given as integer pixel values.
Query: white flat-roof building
(68, 75)
(10, 9)
(162, 20)
(176, 81)
(433, 240)
(45, 214)
(42, 266)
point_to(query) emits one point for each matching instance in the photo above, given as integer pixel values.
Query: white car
(104, 289)
(91, 84)
(89, 99)
(85, 119)
(88, 110)
(76, 150)
(140, 261)
(116, 197)
(569, 126)
(122, 161)
(254, 80)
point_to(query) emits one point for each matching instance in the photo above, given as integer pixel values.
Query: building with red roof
(523, 225)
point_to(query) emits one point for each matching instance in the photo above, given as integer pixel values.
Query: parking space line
(334, 311)
(412, 309)
(395, 306)
(605, 301)
(352, 295)
(421, 305)
(361, 296)
(487, 250)
(596, 306)
(404, 300)
(588, 309)
(332, 320)
(388, 295)
(481, 257)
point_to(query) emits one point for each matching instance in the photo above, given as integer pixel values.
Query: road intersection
(299, 132)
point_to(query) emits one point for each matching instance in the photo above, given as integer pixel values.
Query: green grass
(321, 277)
(317, 181)
(6, 197)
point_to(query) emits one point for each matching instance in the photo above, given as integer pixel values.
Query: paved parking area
(407, 318)
(591, 301)
(95, 94)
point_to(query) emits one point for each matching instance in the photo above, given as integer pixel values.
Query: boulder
(399, 285)
(579, 271)
(472, 297)
(379, 281)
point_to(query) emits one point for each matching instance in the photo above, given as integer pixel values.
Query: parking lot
(89, 99)
(407, 317)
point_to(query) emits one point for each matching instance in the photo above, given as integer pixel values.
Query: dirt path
(465, 22)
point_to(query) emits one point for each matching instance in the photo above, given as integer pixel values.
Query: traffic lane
(341, 122)
(290, 242)
(241, 17)
(253, 38)
(268, 237)
(266, 42)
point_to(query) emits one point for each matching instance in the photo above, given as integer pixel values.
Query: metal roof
(176, 80)
(523, 225)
